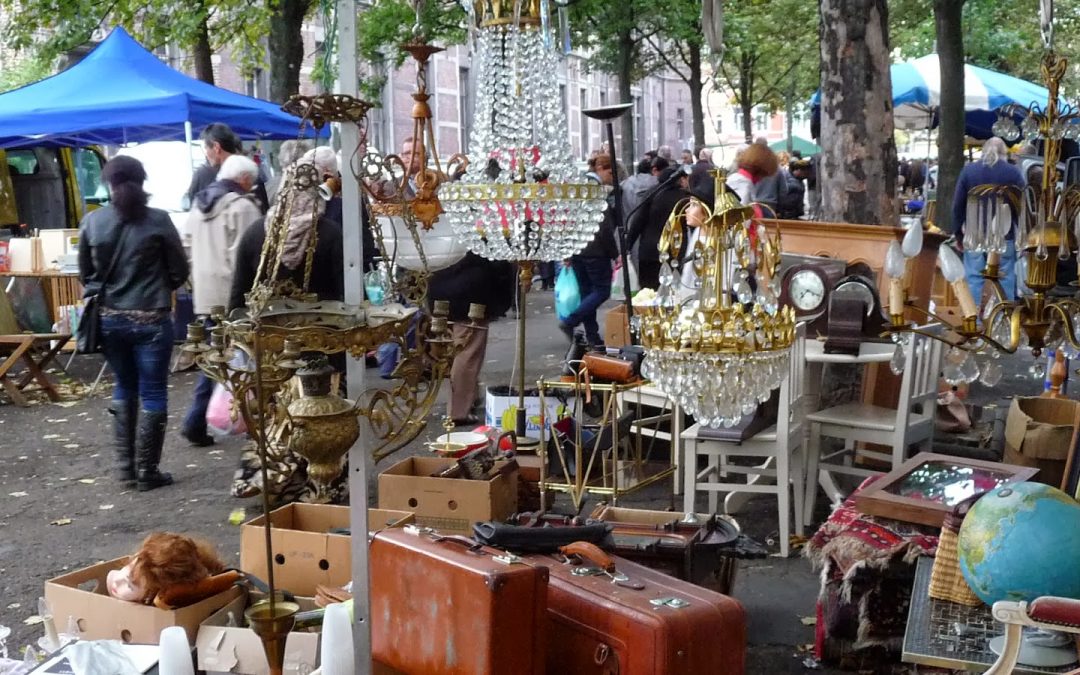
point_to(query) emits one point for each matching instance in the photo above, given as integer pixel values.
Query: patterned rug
(867, 566)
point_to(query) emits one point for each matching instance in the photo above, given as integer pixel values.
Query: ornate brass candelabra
(1045, 222)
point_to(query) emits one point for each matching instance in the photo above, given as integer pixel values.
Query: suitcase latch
(586, 571)
(673, 603)
(418, 531)
(508, 559)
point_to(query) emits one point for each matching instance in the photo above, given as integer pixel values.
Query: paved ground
(60, 510)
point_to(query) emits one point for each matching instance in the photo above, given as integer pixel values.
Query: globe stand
(1040, 648)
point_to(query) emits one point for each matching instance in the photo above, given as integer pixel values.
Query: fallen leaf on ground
(71, 446)
(14, 605)
(88, 481)
(48, 437)
(105, 507)
(57, 421)
(23, 457)
(237, 516)
(16, 494)
(61, 521)
(809, 620)
(66, 404)
(33, 620)
(192, 466)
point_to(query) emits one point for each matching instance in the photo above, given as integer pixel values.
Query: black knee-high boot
(148, 444)
(125, 417)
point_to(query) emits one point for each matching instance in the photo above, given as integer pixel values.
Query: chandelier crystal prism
(522, 197)
(717, 347)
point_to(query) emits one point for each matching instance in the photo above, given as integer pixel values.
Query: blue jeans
(594, 281)
(195, 421)
(138, 354)
(975, 263)
(389, 353)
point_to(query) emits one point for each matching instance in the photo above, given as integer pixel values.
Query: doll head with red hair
(165, 560)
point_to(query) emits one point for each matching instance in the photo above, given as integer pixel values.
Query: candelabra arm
(926, 313)
(1069, 326)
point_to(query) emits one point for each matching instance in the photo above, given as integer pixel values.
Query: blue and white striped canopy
(916, 87)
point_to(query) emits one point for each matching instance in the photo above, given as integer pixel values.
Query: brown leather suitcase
(631, 620)
(444, 605)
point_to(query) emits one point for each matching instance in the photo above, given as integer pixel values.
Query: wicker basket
(946, 580)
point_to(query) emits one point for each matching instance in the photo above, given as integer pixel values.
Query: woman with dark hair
(131, 258)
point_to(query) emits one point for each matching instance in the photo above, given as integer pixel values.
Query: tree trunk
(286, 48)
(626, 81)
(789, 114)
(204, 63)
(948, 20)
(696, 86)
(746, 90)
(858, 159)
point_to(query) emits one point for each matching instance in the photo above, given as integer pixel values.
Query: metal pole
(524, 277)
(352, 243)
(620, 227)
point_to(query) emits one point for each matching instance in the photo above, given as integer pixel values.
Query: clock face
(807, 290)
(859, 291)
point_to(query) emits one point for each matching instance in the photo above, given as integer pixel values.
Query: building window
(583, 103)
(564, 100)
(603, 98)
(639, 129)
(660, 124)
(465, 107)
(680, 124)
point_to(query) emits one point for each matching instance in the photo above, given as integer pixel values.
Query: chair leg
(714, 499)
(798, 482)
(783, 498)
(813, 457)
(689, 469)
(97, 380)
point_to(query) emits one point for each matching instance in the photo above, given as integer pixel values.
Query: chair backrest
(793, 387)
(922, 365)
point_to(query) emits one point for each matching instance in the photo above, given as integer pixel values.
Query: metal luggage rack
(605, 444)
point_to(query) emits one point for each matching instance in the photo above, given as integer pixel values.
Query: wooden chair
(911, 423)
(1045, 613)
(35, 351)
(780, 445)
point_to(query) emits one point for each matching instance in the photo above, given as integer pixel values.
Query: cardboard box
(306, 554)
(450, 505)
(223, 649)
(1038, 433)
(500, 406)
(616, 327)
(83, 595)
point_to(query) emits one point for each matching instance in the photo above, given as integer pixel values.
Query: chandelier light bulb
(913, 240)
(952, 268)
(895, 262)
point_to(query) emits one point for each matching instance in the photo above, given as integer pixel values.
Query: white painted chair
(779, 445)
(911, 423)
(1045, 613)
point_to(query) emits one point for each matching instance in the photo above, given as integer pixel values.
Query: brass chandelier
(715, 344)
(1047, 229)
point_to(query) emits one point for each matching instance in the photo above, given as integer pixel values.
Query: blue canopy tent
(916, 87)
(121, 93)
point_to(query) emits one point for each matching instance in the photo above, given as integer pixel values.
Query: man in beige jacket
(219, 215)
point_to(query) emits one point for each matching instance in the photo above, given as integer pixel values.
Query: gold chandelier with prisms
(1046, 232)
(720, 343)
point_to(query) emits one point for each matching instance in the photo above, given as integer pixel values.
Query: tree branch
(667, 61)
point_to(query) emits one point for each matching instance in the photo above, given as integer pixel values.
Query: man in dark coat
(649, 223)
(219, 142)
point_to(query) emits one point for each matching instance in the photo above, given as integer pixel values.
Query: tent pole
(352, 243)
(188, 139)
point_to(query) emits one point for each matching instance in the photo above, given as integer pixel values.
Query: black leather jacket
(151, 265)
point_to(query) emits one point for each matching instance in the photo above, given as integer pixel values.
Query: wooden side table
(61, 288)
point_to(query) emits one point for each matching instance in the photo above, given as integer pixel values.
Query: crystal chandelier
(1046, 231)
(719, 348)
(522, 198)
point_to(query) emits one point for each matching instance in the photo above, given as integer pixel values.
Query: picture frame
(896, 495)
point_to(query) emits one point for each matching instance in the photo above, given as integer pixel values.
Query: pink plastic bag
(219, 414)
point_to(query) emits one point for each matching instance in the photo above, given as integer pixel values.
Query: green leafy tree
(616, 35)
(679, 44)
(23, 72)
(47, 30)
(769, 55)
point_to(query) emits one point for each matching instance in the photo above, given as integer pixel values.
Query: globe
(1021, 541)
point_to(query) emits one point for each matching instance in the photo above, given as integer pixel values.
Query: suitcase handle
(590, 552)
